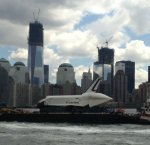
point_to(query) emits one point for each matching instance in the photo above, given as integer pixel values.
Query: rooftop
(19, 63)
(4, 60)
(65, 65)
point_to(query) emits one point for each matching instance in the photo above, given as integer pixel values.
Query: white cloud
(20, 54)
(50, 57)
(79, 71)
(76, 43)
(99, 6)
(139, 53)
(135, 51)
(59, 18)
(53, 60)
(108, 25)
(141, 75)
(119, 39)
(13, 34)
(139, 18)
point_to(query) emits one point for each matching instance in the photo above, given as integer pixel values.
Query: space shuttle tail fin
(94, 86)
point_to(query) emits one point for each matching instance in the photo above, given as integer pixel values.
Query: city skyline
(74, 35)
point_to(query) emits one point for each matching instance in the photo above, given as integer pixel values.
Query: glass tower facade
(148, 73)
(35, 53)
(104, 68)
(129, 69)
(46, 73)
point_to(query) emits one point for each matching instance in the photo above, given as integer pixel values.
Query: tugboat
(145, 111)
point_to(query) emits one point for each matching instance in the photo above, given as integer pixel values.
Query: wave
(83, 129)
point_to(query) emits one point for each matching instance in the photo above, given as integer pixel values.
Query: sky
(74, 28)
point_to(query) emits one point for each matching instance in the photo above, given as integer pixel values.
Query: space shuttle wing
(94, 86)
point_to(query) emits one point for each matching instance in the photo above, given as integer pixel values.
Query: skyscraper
(5, 64)
(46, 73)
(104, 68)
(105, 55)
(4, 86)
(120, 87)
(148, 73)
(129, 69)
(35, 53)
(86, 80)
(66, 79)
(19, 73)
(65, 74)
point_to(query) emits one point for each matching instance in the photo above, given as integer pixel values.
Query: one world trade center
(35, 53)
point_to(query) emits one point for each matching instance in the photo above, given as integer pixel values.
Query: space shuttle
(90, 98)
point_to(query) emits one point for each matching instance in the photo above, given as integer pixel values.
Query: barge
(83, 118)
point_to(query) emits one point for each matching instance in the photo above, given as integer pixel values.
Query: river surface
(13, 133)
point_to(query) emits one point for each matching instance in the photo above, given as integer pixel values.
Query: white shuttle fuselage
(90, 98)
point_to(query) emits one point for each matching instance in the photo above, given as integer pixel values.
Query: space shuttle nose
(107, 97)
(102, 96)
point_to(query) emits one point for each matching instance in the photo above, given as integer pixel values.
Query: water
(70, 134)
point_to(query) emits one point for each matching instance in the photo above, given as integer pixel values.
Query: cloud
(79, 71)
(135, 51)
(15, 17)
(16, 12)
(13, 34)
(19, 54)
(53, 60)
(59, 19)
(139, 18)
(76, 44)
(50, 58)
(110, 24)
(139, 53)
(141, 75)
(116, 16)
(21, 13)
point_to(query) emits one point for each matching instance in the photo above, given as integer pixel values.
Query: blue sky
(145, 37)
(73, 30)
(87, 19)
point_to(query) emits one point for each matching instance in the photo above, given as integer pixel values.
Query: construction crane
(97, 47)
(36, 18)
(107, 41)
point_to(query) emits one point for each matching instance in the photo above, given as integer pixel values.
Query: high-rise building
(46, 73)
(66, 79)
(119, 66)
(104, 68)
(19, 87)
(65, 74)
(149, 74)
(120, 87)
(4, 86)
(5, 64)
(86, 80)
(144, 94)
(19, 73)
(35, 53)
(105, 55)
(21, 95)
(129, 69)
